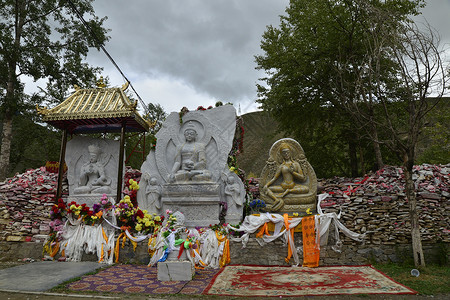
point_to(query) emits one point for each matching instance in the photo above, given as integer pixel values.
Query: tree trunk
(361, 160)
(353, 156)
(419, 260)
(376, 147)
(6, 146)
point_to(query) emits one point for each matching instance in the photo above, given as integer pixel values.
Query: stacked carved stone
(25, 202)
(377, 204)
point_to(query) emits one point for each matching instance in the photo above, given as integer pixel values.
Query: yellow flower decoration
(138, 227)
(295, 214)
(308, 211)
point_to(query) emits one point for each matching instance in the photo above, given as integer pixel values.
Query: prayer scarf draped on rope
(284, 228)
(212, 248)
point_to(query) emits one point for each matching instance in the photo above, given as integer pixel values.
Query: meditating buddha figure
(190, 159)
(92, 179)
(292, 176)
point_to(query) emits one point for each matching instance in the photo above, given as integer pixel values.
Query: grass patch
(432, 280)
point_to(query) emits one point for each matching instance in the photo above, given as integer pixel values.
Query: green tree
(42, 40)
(137, 147)
(368, 59)
(301, 57)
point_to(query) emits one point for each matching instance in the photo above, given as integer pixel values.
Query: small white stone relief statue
(152, 194)
(93, 178)
(233, 191)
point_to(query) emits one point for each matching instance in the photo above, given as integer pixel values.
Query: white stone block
(175, 271)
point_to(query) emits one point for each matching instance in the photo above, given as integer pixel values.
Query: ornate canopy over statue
(95, 110)
(91, 111)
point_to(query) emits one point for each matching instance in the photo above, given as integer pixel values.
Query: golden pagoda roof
(95, 110)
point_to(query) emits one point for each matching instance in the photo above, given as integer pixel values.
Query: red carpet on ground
(299, 281)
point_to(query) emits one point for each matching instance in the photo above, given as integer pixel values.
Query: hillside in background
(260, 132)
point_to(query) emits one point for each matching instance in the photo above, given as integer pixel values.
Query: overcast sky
(196, 52)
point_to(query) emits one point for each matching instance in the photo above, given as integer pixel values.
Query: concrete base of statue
(89, 199)
(198, 202)
(175, 271)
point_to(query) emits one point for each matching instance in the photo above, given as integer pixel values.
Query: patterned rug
(141, 279)
(298, 281)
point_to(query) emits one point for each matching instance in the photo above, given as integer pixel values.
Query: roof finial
(100, 83)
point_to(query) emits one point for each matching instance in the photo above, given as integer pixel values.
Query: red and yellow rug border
(211, 283)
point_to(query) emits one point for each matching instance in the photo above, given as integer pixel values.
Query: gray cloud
(208, 46)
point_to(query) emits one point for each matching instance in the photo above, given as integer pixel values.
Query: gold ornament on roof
(100, 83)
(125, 86)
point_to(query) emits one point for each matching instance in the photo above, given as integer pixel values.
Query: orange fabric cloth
(291, 232)
(225, 259)
(264, 230)
(311, 250)
(54, 250)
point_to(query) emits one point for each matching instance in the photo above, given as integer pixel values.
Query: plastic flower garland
(136, 220)
(131, 190)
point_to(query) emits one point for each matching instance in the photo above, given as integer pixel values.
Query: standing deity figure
(233, 192)
(190, 159)
(153, 194)
(93, 179)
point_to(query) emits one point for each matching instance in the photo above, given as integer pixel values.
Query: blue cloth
(164, 257)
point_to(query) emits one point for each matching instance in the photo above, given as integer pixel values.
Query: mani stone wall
(25, 202)
(377, 204)
(374, 204)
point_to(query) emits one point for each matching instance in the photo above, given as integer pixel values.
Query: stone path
(42, 276)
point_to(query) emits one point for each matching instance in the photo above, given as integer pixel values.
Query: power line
(89, 28)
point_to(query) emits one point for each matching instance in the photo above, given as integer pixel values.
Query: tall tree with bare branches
(399, 106)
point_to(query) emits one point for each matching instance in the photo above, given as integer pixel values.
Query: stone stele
(92, 166)
(184, 171)
(288, 182)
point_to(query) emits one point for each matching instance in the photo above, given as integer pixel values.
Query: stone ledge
(270, 254)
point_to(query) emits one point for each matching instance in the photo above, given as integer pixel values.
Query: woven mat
(298, 281)
(141, 279)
